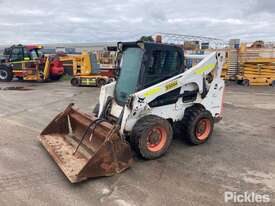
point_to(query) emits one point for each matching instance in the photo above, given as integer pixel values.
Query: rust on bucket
(84, 147)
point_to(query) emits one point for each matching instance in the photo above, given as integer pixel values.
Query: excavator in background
(85, 70)
(27, 62)
(153, 95)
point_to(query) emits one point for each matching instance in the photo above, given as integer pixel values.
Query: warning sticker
(171, 85)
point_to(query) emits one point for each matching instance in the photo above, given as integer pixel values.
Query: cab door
(28, 60)
(162, 64)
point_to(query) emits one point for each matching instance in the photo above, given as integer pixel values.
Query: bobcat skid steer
(153, 94)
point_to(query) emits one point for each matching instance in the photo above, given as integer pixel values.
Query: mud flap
(84, 147)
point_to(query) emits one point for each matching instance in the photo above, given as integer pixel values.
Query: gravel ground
(239, 157)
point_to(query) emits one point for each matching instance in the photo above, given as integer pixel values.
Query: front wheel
(198, 126)
(239, 82)
(75, 82)
(6, 74)
(151, 136)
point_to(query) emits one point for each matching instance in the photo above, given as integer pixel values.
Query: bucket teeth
(68, 141)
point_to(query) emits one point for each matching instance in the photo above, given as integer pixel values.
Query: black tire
(100, 82)
(159, 131)
(96, 110)
(110, 80)
(75, 82)
(239, 82)
(273, 83)
(6, 74)
(20, 79)
(246, 83)
(193, 120)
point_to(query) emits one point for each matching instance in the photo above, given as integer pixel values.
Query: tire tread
(139, 131)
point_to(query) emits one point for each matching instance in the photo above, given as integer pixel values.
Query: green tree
(147, 38)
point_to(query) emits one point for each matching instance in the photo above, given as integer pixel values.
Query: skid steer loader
(154, 93)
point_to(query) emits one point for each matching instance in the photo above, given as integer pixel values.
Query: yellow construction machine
(85, 71)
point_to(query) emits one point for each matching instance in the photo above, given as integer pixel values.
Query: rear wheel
(246, 83)
(75, 82)
(198, 126)
(101, 82)
(6, 74)
(151, 136)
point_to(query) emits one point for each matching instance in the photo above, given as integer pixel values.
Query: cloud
(206, 20)
(51, 21)
(76, 19)
(262, 6)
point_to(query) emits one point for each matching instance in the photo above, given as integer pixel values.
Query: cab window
(7, 51)
(16, 54)
(163, 64)
(34, 54)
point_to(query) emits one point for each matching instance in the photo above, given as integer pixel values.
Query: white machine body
(209, 94)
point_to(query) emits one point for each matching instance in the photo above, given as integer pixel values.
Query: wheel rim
(203, 129)
(156, 140)
(3, 74)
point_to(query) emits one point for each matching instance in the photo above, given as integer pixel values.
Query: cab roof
(149, 45)
(29, 47)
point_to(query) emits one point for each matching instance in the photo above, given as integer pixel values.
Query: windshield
(34, 54)
(130, 65)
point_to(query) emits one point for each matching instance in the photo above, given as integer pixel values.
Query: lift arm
(196, 75)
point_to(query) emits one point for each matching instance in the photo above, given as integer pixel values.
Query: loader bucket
(83, 150)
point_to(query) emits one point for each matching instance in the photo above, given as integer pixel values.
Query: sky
(88, 21)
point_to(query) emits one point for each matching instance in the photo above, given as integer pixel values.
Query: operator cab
(19, 53)
(143, 64)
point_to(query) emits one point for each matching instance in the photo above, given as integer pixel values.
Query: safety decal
(152, 91)
(88, 81)
(171, 85)
(205, 68)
